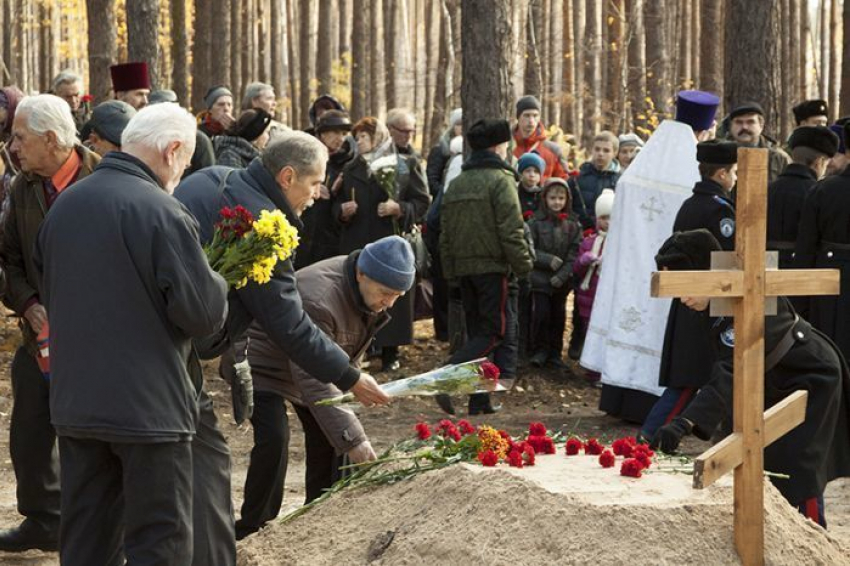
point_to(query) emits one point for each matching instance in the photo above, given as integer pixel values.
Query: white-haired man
(68, 86)
(51, 157)
(125, 390)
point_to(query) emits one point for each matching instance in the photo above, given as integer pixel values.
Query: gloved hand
(587, 258)
(556, 282)
(668, 437)
(556, 263)
(242, 392)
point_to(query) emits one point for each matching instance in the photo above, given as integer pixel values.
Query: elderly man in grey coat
(127, 286)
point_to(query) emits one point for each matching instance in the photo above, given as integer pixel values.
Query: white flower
(387, 162)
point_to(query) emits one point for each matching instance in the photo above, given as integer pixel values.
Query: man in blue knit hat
(348, 298)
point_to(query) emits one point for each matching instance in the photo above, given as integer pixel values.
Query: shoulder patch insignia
(727, 337)
(727, 227)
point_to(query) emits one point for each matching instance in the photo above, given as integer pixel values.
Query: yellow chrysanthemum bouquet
(244, 249)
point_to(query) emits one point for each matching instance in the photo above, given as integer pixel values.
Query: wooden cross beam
(747, 287)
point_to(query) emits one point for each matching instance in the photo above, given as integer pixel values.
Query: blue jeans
(671, 403)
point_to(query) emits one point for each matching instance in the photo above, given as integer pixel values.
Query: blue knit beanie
(531, 159)
(390, 262)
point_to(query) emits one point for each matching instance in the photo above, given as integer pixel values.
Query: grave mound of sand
(564, 510)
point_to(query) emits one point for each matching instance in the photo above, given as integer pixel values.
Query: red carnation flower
(537, 429)
(422, 431)
(504, 434)
(465, 427)
(528, 215)
(444, 424)
(86, 98)
(488, 458)
(622, 447)
(606, 459)
(548, 445)
(644, 459)
(528, 454)
(448, 430)
(573, 446)
(227, 213)
(574, 173)
(536, 442)
(631, 468)
(515, 459)
(490, 371)
(562, 216)
(593, 448)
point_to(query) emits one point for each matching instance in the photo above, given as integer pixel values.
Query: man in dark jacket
(44, 138)
(287, 177)
(124, 394)
(746, 127)
(687, 355)
(347, 297)
(811, 149)
(482, 245)
(797, 358)
(823, 241)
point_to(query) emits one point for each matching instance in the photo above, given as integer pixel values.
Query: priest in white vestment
(626, 332)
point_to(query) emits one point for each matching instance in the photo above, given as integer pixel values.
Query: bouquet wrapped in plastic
(477, 376)
(244, 249)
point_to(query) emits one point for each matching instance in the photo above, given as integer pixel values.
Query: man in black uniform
(811, 149)
(687, 355)
(823, 240)
(797, 358)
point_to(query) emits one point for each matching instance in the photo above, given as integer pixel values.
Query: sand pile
(562, 511)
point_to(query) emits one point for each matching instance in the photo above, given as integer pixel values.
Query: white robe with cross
(626, 331)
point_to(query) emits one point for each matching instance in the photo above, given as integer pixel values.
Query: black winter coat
(127, 286)
(785, 197)
(320, 239)
(818, 450)
(688, 355)
(204, 155)
(823, 241)
(553, 237)
(438, 159)
(233, 151)
(276, 306)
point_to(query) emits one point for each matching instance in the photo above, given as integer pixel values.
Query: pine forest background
(595, 64)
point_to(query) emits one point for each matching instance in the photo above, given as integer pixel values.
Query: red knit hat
(130, 76)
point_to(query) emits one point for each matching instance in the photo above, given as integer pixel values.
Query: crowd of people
(106, 209)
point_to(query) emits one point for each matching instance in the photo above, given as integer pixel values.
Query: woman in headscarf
(243, 141)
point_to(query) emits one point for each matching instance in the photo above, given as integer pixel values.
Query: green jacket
(481, 221)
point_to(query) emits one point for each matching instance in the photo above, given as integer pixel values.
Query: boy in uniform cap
(107, 123)
(812, 147)
(746, 127)
(131, 83)
(483, 247)
(348, 298)
(811, 113)
(823, 241)
(797, 358)
(688, 354)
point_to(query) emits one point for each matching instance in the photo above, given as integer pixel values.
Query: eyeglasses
(399, 130)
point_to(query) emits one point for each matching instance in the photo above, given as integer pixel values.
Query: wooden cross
(747, 287)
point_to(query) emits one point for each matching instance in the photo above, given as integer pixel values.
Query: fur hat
(684, 251)
(717, 152)
(809, 108)
(487, 133)
(819, 138)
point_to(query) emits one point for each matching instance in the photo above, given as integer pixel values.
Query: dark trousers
(490, 306)
(32, 443)
(440, 307)
(524, 318)
(548, 320)
(670, 405)
(212, 507)
(269, 460)
(126, 500)
(579, 332)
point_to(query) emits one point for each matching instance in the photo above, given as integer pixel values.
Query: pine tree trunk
(752, 27)
(533, 70)
(292, 45)
(805, 40)
(247, 48)
(568, 120)
(555, 61)
(544, 45)
(263, 41)
(823, 66)
(685, 70)
(376, 67)
(220, 63)
(580, 51)
(324, 57)
(785, 102)
(278, 53)
(844, 108)
(696, 35)
(457, 42)
(835, 30)
(179, 47)
(432, 40)
(142, 40)
(346, 21)
(359, 62)
(391, 52)
(593, 119)
(615, 52)
(7, 31)
(519, 40)
(656, 53)
(101, 46)
(795, 43)
(236, 46)
(201, 52)
(486, 90)
(445, 66)
(637, 67)
(307, 62)
(711, 65)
